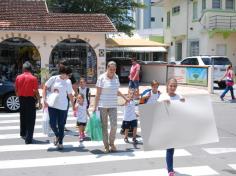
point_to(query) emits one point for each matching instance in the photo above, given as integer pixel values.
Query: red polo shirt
(26, 84)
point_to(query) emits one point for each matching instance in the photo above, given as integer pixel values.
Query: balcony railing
(222, 22)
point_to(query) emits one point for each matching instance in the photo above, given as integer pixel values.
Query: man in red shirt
(134, 74)
(27, 90)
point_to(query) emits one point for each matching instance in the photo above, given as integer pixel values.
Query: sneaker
(135, 141)
(106, 149)
(83, 135)
(60, 147)
(56, 140)
(222, 99)
(126, 140)
(113, 148)
(171, 173)
(65, 129)
(81, 138)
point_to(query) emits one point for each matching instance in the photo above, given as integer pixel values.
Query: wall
(154, 72)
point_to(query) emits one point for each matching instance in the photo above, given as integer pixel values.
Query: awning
(138, 49)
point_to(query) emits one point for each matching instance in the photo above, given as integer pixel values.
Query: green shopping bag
(94, 128)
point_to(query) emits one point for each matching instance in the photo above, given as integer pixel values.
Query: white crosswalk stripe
(193, 171)
(37, 156)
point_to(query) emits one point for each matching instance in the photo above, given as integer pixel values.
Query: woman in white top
(60, 84)
(171, 87)
(106, 100)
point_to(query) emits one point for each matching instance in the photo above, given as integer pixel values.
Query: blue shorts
(134, 84)
(128, 124)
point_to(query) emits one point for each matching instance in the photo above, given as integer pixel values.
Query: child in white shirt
(130, 117)
(81, 114)
(170, 95)
(83, 89)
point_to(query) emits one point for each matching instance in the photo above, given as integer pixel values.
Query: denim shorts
(128, 124)
(134, 84)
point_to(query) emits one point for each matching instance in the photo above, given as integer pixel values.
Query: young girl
(83, 89)
(171, 87)
(81, 113)
(130, 117)
(229, 74)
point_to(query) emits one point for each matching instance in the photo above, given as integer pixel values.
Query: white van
(219, 62)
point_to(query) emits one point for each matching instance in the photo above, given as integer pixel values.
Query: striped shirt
(108, 97)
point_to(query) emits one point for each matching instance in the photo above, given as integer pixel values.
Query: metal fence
(222, 22)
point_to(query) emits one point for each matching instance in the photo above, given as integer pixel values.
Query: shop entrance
(13, 53)
(80, 57)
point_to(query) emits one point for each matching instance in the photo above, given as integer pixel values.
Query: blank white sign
(178, 124)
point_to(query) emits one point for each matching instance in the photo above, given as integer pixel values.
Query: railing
(222, 22)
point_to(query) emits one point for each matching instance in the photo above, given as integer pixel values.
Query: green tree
(119, 11)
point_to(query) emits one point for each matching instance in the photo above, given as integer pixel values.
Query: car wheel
(11, 103)
(222, 84)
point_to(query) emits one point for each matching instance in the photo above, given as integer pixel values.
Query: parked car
(8, 98)
(218, 62)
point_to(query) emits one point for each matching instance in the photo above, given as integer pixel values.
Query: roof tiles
(33, 15)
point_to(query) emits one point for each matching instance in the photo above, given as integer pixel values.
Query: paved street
(87, 158)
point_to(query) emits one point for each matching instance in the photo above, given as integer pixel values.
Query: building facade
(149, 21)
(199, 27)
(28, 31)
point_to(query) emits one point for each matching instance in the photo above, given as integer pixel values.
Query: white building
(149, 21)
(199, 27)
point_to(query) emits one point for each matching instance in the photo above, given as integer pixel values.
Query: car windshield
(221, 61)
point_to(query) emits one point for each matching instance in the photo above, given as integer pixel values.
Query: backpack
(87, 95)
(144, 96)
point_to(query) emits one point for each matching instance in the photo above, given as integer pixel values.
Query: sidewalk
(182, 89)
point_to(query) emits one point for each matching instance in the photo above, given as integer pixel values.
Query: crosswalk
(87, 157)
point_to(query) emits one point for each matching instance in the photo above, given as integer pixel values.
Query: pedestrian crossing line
(193, 171)
(215, 151)
(233, 166)
(40, 120)
(31, 147)
(86, 159)
(40, 113)
(40, 135)
(68, 125)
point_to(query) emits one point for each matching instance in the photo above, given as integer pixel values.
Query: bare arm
(88, 113)
(72, 101)
(136, 74)
(75, 88)
(97, 98)
(120, 94)
(44, 94)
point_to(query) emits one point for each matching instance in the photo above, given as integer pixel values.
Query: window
(229, 4)
(206, 60)
(175, 10)
(168, 19)
(203, 4)
(195, 16)
(194, 48)
(216, 4)
(221, 61)
(185, 62)
(153, 19)
(178, 51)
(194, 61)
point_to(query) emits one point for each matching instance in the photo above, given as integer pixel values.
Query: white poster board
(178, 124)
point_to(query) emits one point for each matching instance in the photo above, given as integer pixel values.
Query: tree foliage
(119, 11)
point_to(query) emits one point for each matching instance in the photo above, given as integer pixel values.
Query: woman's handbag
(52, 98)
